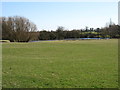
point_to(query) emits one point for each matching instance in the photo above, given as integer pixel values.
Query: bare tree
(18, 29)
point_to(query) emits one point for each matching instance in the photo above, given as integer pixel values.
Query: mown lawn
(61, 64)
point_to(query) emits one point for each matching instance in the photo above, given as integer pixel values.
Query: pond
(94, 38)
(84, 38)
(73, 39)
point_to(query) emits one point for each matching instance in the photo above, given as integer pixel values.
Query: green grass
(7, 41)
(61, 64)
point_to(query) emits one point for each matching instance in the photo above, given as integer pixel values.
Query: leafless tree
(18, 29)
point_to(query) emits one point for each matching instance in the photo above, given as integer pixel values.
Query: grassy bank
(61, 64)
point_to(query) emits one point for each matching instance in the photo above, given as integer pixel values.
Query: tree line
(21, 29)
(113, 31)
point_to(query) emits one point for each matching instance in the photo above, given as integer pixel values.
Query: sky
(71, 15)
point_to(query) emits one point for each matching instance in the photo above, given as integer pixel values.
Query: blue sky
(71, 15)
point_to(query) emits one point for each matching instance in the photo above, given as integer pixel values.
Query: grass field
(61, 64)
